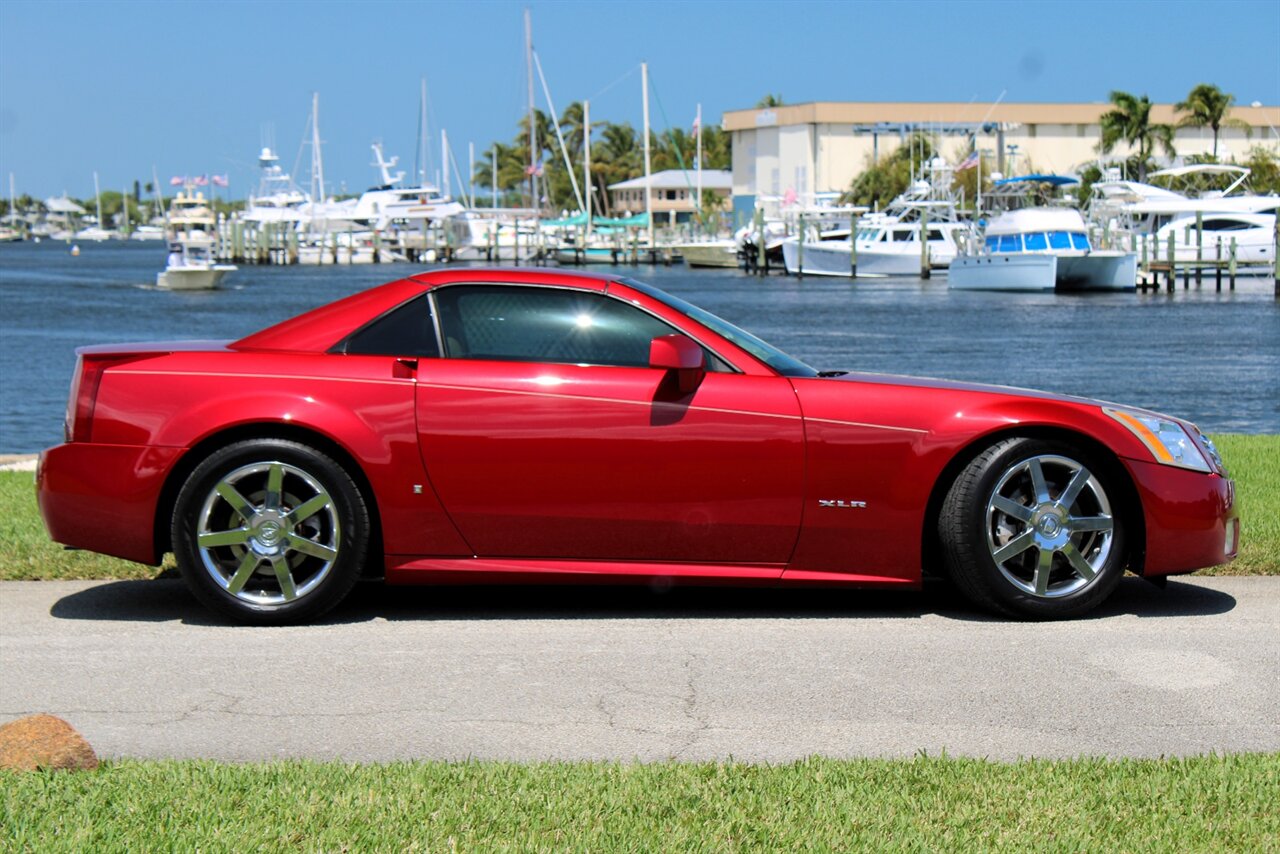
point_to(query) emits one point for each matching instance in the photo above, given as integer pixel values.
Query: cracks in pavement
(699, 724)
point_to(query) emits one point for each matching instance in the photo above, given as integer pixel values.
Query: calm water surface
(1214, 358)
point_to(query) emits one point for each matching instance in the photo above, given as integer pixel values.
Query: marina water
(1211, 357)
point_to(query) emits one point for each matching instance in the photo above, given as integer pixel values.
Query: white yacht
(191, 265)
(277, 198)
(888, 242)
(388, 203)
(1153, 214)
(1041, 249)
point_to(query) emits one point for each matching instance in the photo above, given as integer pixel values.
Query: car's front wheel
(1033, 528)
(270, 531)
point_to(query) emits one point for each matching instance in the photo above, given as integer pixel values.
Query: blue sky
(192, 87)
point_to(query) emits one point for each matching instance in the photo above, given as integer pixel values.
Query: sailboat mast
(124, 207)
(471, 173)
(586, 146)
(317, 162)
(420, 165)
(648, 181)
(533, 163)
(698, 201)
(97, 195)
(444, 160)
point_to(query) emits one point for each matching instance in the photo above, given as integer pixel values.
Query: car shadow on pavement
(165, 600)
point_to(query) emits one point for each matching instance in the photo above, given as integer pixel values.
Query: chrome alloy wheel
(268, 533)
(1049, 526)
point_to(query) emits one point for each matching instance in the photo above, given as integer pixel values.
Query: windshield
(765, 352)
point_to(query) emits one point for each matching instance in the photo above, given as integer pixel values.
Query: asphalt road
(616, 673)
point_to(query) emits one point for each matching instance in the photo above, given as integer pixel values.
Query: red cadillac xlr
(470, 426)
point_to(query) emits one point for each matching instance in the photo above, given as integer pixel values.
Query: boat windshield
(765, 352)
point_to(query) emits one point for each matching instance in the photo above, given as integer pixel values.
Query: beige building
(674, 192)
(814, 148)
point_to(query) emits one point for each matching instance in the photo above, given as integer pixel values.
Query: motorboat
(710, 253)
(277, 199)
(192, 235)
(191, 267)
(888, 243)
(389, 203)
(1146, 213)
(1041, 249)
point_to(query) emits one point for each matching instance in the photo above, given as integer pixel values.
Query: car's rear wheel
(270, 531)
(1033, 528)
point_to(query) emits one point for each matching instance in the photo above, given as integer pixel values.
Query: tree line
(1128, 121)
(617, 154)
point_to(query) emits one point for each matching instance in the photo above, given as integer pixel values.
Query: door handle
(404, 369)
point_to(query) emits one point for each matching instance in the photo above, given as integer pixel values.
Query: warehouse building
(803, 151)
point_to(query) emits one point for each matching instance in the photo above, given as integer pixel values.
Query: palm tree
(717, 152)
(511, 167)
(1130, 121)
(1207, 106)
(769, 100)
(617, 157)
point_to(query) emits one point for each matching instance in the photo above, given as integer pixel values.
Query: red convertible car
(517, 425)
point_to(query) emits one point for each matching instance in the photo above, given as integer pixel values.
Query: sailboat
(95, 232)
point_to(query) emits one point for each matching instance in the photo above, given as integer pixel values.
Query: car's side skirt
(401, 570)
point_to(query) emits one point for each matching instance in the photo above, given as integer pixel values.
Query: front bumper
(102, 498)
(1192, 521)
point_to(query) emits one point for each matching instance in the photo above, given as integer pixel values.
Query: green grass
(1215, 803)
(27, 554)
(1254, 463)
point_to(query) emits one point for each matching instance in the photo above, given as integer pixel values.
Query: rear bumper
(102, 498)
(1191, 518)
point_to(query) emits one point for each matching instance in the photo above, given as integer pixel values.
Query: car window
(407, 330)
(547, 325)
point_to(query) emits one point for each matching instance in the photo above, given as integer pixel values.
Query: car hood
(987, 388)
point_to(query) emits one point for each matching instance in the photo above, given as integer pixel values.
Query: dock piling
(853, 246)
(925, 272)
(1199, 244)
(800, 261)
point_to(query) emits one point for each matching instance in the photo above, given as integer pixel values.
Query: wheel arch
(1130, 502)
(199, 452)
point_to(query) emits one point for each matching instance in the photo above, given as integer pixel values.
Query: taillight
(78, 425)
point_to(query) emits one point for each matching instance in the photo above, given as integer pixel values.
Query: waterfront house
(674, 192)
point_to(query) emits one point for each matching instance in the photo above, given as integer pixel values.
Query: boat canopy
(1201, 169)
(1055, 180)
(638, 221)
(580, 219)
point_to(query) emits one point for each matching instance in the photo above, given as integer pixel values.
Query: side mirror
(680, 354)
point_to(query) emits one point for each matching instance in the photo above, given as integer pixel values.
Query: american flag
(221, 181)
(200, 180)
(177, 181)
(968, 163)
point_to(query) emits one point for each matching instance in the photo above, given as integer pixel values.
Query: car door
(547, 435)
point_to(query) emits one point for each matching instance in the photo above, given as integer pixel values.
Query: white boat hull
(192, 278)
(834, 258)
(1099, 271)
(720, 254)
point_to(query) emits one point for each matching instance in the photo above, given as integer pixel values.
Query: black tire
(1016, 544)
(291, 552)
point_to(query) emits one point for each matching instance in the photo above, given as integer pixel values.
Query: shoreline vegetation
(1204, 803)
(27, 554)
